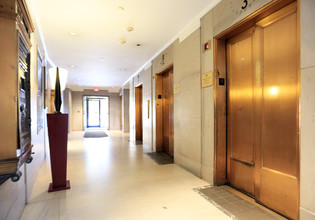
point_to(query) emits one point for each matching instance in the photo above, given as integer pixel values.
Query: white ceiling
(100, 24)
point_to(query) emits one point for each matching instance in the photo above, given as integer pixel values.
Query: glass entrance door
(93, 113)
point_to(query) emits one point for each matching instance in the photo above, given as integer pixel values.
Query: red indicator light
(207, 46)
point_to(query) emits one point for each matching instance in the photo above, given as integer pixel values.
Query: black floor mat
(160, 158)
(95, 134)
(235, 206)
(138, 142)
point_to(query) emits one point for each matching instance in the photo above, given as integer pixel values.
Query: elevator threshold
(236, 204)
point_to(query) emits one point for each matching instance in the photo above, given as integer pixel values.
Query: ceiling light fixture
(121, 8)
(138, 45)
(73, 33)
(128, 29)
(100, 58)
(73, 66)
(121, 41)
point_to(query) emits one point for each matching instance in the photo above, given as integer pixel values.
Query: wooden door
(263, 112)
(165, 113)
(138, 100)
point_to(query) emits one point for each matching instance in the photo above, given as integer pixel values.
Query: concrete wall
(187, 104)
(77, 108)
(307, 184)
(114, 111)
(207, 103)
(132, 111)
(227, 13)
(77, 111)
(125, 111)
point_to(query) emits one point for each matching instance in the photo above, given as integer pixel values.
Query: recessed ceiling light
(73, 66)
(138, 45)
(73, 33)
(100, 58)
(121, 41)
(128, 29)
(121, 8)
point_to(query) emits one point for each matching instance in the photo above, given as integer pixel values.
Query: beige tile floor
(112, 178)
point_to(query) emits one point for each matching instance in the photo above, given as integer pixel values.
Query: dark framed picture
(40, 91)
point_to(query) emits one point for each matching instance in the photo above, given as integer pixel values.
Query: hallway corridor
(112, 178)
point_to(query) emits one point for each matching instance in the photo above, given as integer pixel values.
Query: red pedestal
(58, 140)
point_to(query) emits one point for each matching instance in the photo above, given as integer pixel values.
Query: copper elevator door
(138, 101)
(240, 113)
(165, 112)
(263, 105)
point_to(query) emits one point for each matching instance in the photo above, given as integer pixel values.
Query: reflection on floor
(113, 179)
(236, 206)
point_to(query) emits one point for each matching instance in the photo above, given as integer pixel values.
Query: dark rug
(160, 158)
(138, 142)
(235, 206)
(95, 134)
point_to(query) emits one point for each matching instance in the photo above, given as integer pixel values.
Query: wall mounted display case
(15, 113)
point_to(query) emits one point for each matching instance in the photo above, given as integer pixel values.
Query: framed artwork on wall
(40, 92)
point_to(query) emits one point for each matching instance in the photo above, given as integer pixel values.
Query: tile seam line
(308, 67)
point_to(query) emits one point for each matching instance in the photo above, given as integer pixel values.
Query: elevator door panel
(280, 147)
(240, 113)
(138, 100)
(280, 96)
(263, 112)
(165, 112)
